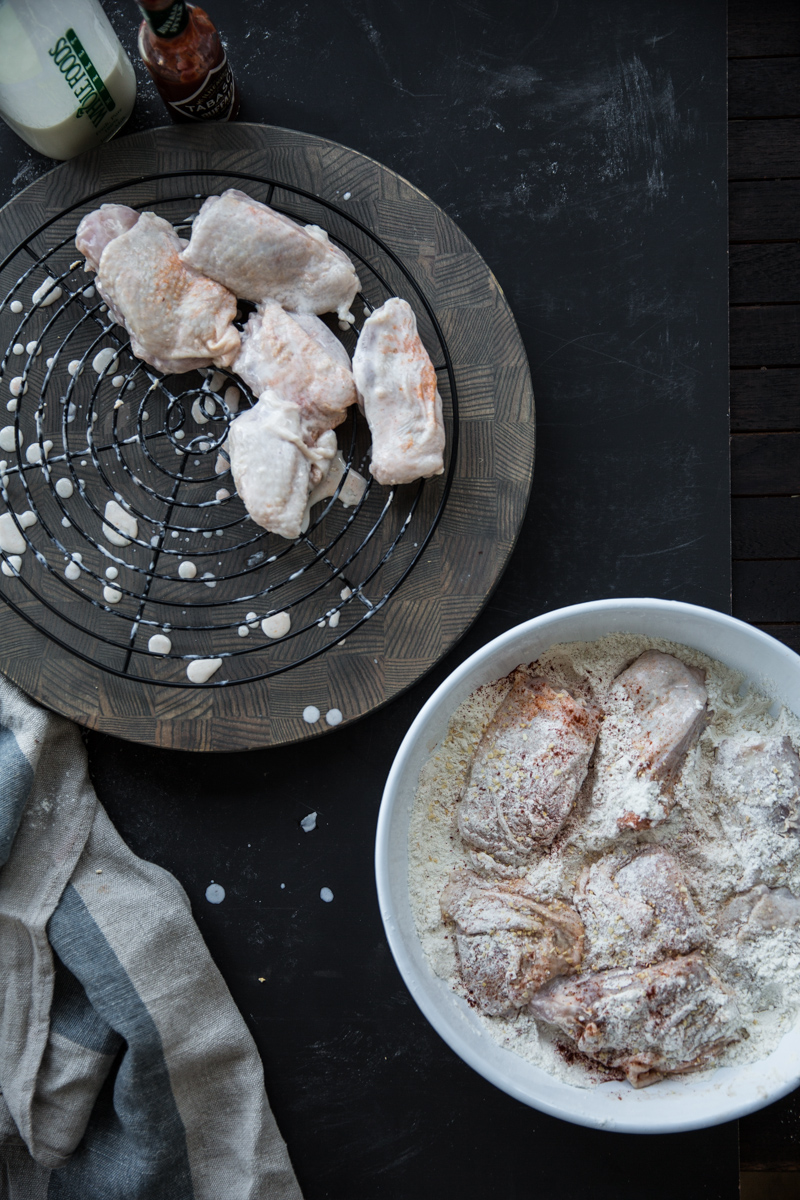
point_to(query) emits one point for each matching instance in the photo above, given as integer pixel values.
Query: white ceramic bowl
(667, 1106)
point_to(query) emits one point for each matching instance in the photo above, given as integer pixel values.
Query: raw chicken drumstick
(509, 943)
(527, 771)
(757, 782)
(637, 909)
(258, 253)
(663, 1020)
(177, 319)
(670, 711)
(397, 383)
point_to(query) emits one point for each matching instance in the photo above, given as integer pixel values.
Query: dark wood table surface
(388, 1053)
(764, 216)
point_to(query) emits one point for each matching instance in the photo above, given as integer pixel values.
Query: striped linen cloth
(126, 1071)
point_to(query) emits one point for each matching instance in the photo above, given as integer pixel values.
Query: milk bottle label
(79, 73)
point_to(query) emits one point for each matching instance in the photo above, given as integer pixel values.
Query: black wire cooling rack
(175, 571)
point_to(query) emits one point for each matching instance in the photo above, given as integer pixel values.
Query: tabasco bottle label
(213, 100)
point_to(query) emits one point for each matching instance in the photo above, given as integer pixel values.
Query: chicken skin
(508, 942)
(670, 711)
(756, 779)
(100, 227)
(278, 354)
(273, 466)
(177, 319)
(258, 253)
(397, 383)
(661, 1020)
(637, 909)
(527, 771)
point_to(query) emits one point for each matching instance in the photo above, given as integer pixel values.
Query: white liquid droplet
(243, 630)
(13, 565)
(112, 595)
(18, 386)
(326, 894)
(18, 348)
(159, 644)
(118, 381)
(215, 894)
(201, 669)
(308, 823)
(277, 625)
(104, 360)
(311, 714)
(223, 494)
(47, 294)
(74, 367)
(333, 716)
(187, 570)
(64, 488)
(34, 348)
(72, 571)
(125, 521)
(16, 306)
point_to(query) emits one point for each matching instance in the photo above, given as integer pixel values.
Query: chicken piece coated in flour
(661, 1020)
(397, 383)
(258, 253)
(508, 942)
(637, 909)
(273, 467)
(296, 359)
(756, 779)
(760, 911)
(177, 319)
(527, 771)
(670, 711)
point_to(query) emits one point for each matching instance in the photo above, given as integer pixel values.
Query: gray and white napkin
(126, 1071)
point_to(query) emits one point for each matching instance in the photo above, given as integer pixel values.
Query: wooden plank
(764, 464)
(766, 400)
(763, 87)
(765, 274)
(755, 30)
(770, 1139)
(765, 336)
(769, 1185)
(765, 527)
(767, 592)
(790, 636)
(768, 211)
(764, 149)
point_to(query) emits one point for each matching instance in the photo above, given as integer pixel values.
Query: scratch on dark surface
(664, 549)
(624, 362)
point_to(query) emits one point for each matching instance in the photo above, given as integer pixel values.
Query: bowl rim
(447, 1029)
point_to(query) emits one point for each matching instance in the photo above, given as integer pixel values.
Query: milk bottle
(66, 84)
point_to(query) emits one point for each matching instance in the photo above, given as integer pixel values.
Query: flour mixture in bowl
(603, 861)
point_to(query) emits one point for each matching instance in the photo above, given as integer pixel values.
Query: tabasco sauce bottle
(182, 51)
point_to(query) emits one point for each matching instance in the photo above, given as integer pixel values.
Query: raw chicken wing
(177, 319)
(637, 909)
(673, 1017)
(279, 355)
(508, 942)
(757, 782)
(258, 253)
(670, 711)
(397, 383)
(273, 467)
(100, 227)
(527, 771)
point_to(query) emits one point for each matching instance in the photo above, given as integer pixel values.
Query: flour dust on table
(604, 862)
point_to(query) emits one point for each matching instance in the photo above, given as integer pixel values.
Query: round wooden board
(442, 587)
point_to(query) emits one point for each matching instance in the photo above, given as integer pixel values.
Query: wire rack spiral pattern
(88, 423)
